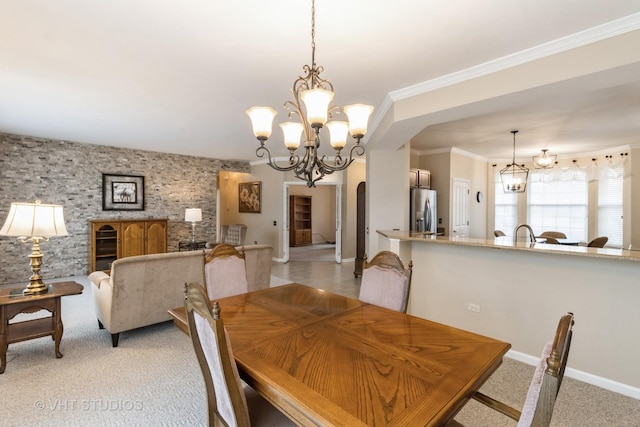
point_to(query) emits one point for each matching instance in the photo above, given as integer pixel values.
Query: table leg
(58, 328)
(3, 339)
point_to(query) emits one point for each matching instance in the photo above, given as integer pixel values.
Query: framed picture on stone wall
(122, 192)
(249, 196)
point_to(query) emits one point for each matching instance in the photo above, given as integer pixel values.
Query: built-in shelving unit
(300, 220)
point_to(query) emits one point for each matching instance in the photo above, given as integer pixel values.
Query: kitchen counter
(506, 242)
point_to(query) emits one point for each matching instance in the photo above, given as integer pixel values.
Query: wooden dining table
(325, 359)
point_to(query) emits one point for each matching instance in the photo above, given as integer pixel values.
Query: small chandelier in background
(316, 94)
(513, 176)
(544, 160)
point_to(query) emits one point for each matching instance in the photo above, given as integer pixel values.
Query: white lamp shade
(317, 102)
(261, 120)
(193, 215)
(358, 115)
(34, 220)
(338, 131)
(292, 132)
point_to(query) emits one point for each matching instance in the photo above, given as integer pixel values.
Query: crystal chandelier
(544, 160)
(316, 93)
(513, 176)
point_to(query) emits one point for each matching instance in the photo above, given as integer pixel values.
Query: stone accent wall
(70, 174)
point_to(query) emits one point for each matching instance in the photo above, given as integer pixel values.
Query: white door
(460, 223)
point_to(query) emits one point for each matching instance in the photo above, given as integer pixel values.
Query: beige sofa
(141, 289)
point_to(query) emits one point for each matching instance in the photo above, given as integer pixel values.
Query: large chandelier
(316, 93)
(513, 176)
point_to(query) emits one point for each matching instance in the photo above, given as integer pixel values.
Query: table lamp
(193, 215)
(34, 222)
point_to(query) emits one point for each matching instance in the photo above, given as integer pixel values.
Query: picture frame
(122, 192)
(250, 197)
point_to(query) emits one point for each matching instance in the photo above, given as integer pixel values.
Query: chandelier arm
(294, 160)
(357, 149)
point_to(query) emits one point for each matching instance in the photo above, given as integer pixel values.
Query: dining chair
(229, 401)
(598, 242)
(386, 282)
(551, 240)
(498, 233)
(554, 234)
(545, 384)
(225, 272)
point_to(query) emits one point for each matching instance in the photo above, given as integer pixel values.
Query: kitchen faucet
(518, 227)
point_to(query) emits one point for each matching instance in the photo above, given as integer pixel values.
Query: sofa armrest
(97, 277)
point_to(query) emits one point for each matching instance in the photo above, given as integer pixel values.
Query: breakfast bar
(515, 291)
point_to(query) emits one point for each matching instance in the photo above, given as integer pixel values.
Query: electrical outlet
(473, 307)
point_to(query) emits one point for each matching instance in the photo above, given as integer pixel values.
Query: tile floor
(330, 276)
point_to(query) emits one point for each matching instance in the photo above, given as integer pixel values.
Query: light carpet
(153, 379)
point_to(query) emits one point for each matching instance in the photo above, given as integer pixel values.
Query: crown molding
(592, 35)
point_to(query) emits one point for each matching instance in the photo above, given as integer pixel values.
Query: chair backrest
(225, 272)
(598, 242)
(224, 229)
(551, 240)
(556, 234)
(548, 376)
(498, 233)
(226, 400)
(235, 235)
(385, 281)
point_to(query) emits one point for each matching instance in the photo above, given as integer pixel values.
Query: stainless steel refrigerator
(423, 210)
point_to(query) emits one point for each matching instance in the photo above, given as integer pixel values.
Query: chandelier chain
(313, 33)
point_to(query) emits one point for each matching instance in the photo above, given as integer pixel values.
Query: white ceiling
(175, 76)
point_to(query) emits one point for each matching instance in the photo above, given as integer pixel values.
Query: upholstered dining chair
(554, 234)
(545, 384)
(229, 402)
(386, 282)
(598, 242)
(498, 233)
(225, 272)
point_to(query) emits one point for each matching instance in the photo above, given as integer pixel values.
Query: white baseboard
(585, 377)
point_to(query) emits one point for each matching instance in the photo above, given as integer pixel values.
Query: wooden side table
(13, 302)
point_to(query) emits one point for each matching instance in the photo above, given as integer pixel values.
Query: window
(558, 201)
(506, 211)
(610, 204)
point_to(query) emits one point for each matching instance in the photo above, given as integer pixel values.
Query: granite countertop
(506, 242)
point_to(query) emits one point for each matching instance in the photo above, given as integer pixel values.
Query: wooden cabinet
(300, 221)
(113, 239)
(420, 178)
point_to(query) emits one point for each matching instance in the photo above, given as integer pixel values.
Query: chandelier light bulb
(358, 115)
(291, 132)
(338, 132)
(262, 121)
(317, 102)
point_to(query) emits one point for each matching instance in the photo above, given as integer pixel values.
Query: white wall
(387, 194)
(522, 295)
